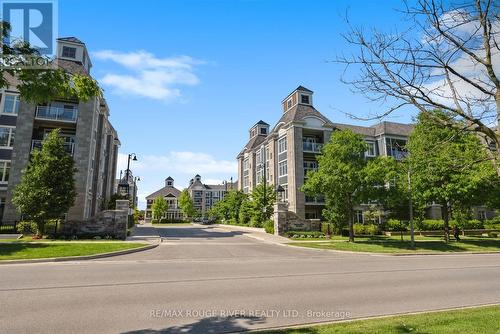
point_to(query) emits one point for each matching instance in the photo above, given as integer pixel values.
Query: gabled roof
(261, 122)
(252, 143)
(165, 191)
(304, 89)
(299, 112)
(169, 178)
(393, 128)
(71, 39)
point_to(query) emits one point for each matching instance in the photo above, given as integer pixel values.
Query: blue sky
(185, 80)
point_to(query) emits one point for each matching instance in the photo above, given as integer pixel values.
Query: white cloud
(148, 76)
(182, 166)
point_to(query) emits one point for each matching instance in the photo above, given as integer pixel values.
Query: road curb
(394, 254)
(80, 258)
(324, 323)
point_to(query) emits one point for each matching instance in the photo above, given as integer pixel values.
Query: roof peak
(71, 39)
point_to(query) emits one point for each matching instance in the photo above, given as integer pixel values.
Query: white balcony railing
(56, 113)
(312, 147)
(315, 200)
(37, 144)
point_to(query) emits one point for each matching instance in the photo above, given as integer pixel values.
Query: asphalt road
(208, 280)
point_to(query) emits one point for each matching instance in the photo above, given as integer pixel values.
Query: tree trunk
(351, 226)
(41, 228)
(446, 218)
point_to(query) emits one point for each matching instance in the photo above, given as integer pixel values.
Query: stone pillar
(280, 217)
(122, 204)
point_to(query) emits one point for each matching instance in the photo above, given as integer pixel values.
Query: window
(285, 193)
(245, 164)
(396, 148)
(282, 145)
(11, 104)
(6, 136)
(283, 168)
(246, 182)
(263, 131)
(4, 171)
(371, 152)
(358, 216)
(482, 215)
(258, 157)
(68, 52)
(304, 99)
(289, 104)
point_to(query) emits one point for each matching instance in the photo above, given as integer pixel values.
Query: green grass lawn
(483, 320)
(381, 244)
(27, 250)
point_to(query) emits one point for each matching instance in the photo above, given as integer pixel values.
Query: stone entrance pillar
(280, 217)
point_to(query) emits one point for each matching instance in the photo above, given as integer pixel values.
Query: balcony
(319, 200)
(37, 144)
(56, 114)
(312, 147)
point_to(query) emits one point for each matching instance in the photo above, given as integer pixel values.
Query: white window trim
(279, 171)
(12, 130)
(2, 172)
(280, 140)
(2, 104)
(373, 144)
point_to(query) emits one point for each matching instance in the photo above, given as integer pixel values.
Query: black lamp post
(132, 156)
(280, 190)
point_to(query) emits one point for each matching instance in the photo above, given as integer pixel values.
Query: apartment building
(88, 134)
(284, 154)
(205, 196)
(171, 195)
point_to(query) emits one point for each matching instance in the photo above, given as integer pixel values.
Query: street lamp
(132, 156)
(280, 191)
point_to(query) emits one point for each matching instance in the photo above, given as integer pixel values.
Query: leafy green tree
(159, 207)
(340, 177)
(186, 204)
(450, 167)
(43, 85)
(262, 202)
(229, 207)
(47, 187)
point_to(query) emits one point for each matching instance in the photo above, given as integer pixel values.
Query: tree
(445, 61)
(43, 85)
(340, 177)
(449, 167)
(229, 207)
(47, 187)
(262, 201)
(186, 204)
(159, 207)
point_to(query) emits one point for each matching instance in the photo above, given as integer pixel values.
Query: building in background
(88, 134)
(171, 195)
(285, 154)
(204, 196)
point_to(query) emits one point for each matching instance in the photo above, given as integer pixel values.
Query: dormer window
(263, 131)
(69, 52)
(304, 99)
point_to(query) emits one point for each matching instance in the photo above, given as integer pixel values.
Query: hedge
(304, 234)
(365, 229)
(269, 226)
(167, 221)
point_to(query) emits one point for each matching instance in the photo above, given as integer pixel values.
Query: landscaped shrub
(27, 228)
(396, 225)
(492, 224)
(328, 228)
(254, 222)
(368, 229)
(51, 227)
(269, 226)
(493, 235)
(429, 225)
(167, 221)
(305, 234)
(472, 224)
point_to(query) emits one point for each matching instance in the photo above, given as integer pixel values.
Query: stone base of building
(285, 220)
(108, 223)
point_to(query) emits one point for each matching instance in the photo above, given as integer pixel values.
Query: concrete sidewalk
(256, 233)
(144, 233)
